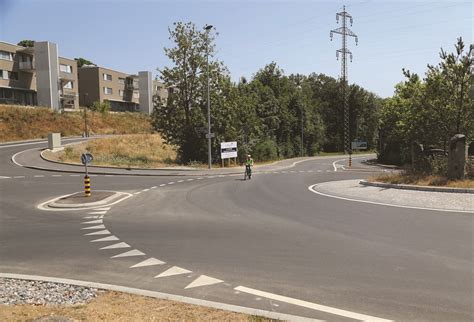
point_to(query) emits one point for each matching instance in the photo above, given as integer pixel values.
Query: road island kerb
(413, 187)
(78, 200)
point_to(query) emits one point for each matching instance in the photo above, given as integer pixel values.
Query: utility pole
(345, 32)
(209, 158)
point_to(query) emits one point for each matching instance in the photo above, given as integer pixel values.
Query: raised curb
(103, 202)
(417, 188)
(163, 296)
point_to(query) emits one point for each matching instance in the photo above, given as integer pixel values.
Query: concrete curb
(103, 202)
(163, 296)
(417, 188)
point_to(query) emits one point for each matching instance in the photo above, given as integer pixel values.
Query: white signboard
(359, 145)
(228, 150)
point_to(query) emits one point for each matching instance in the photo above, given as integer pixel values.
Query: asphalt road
(245, 242)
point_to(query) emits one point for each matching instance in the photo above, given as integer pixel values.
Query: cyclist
(248, 166)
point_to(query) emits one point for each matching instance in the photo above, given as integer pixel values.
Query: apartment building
(160, 90)
(124, 92)
(37, 76)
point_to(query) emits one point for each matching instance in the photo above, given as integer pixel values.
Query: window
(65, 68)
(107, 77)
(6, 55)
(3, 74)
(121, 80)
(136, 95)
(68, 85)
(158, 87)
(121, 92)
(107, 90)
(13, 75)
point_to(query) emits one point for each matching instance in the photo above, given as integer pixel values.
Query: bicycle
(248, 172)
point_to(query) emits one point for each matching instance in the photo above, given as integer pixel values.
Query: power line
(345, 32)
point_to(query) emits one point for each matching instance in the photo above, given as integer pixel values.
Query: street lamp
(209, 158)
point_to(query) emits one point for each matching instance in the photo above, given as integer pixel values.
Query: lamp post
(209, 158)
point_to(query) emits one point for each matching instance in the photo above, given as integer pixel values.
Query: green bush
(103, 107)
(265, 150)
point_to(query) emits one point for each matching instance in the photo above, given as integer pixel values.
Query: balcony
(26, 66)
(66, 76)
(69, 94)
(131, 86)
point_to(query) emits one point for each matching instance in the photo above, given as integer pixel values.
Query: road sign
(228, 150)
(212, 135)
(86, 158)
(359, 145)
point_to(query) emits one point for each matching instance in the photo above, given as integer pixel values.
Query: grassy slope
(423, 180)
(20, 123)
(135, 150)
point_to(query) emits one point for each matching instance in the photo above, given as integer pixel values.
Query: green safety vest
(249, 162)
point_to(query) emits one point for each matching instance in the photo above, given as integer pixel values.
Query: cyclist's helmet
(248, 155)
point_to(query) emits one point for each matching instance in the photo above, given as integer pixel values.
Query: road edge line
(160, 295)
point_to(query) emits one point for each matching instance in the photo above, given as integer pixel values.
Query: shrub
(103, 107)
(265, 150)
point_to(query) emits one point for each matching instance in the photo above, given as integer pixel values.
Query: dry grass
(135, 150)
(20, 123)
(113, 306)
(423, 180)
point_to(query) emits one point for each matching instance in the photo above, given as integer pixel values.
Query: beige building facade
(37, 76)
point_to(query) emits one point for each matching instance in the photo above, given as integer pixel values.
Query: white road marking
(180, 181)
(108, 238)
(211, 177)
(320, 170)
(94, 227)
(93, 175)
(90, 217)
(154, 187)
(101, 216)
(3, 177)
(56, 175)
(311, 188)
(203, 280)
(103, 209)
(130, 253)
(162, 185)
(41, 206)
(145, 190)
(200, 178)
(137, 193)
(18, 177)
(172, 182)
(309, 305)
(98, 221)
(97, 212)
(148, 262)
(118, 245)
(190, 180)
(101, 232)
(310, 171)
(175, 270)
(39, 176)
(109, 175)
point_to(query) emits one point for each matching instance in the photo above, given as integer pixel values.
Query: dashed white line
(162, 185)
(145, 190)
(56, 175)
(18, 177)
(309, 305)
(39, 176)
(200, 178)
(74, 175)
(130, 253)
(180, 181)
(190, 180)
(116, 246)
(154, 187)
(3, 177)
(137, 193)
(172, 182)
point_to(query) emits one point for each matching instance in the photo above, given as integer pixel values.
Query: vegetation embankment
(134, 151)
(22, 123)
(422, 180)
(114, 306)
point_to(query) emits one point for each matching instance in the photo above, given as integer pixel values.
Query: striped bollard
(87, 186)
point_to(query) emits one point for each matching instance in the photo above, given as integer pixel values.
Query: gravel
(13, 291)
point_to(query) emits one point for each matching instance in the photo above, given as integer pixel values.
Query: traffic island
(78, 200)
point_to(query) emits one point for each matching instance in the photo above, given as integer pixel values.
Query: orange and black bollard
(87, 186)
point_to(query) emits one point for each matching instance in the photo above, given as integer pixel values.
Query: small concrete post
(54, 141)
(457, 157)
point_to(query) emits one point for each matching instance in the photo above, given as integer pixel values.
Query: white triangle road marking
(102, 209)
(108, 238)
(97, 213)
(98, 221)
(175, 270)
(95, 227)
(203, 280)
(101, 232)
(134, 252)
(148, 262)
(90, 217)
(118, 245)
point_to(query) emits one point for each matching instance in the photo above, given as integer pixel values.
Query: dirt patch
(122, 307)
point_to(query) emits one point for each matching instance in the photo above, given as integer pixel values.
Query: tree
(26, 43)
(82, 61)
(183, 118)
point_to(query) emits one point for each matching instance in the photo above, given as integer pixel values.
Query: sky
(129, 35)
